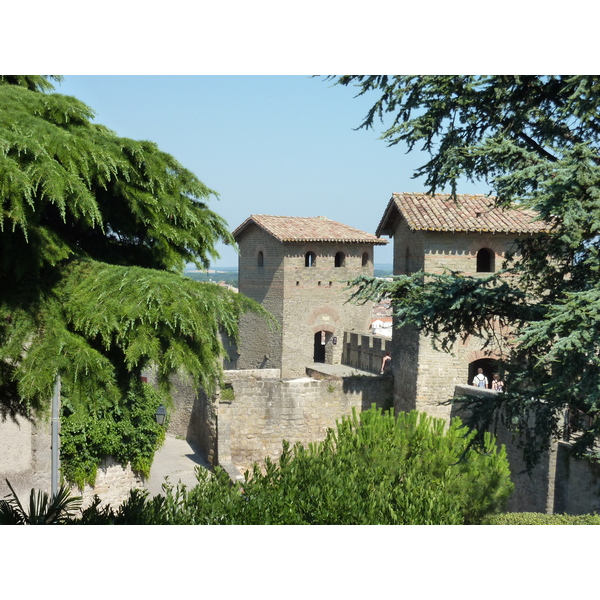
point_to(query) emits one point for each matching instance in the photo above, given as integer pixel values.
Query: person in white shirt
(480, 380)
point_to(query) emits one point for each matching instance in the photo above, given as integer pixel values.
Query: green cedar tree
(95, 231)
(532, 141)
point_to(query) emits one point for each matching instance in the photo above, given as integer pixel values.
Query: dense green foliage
(529, 140)
(95, 231)
(540, 519)
(126, 431)
(383, 470)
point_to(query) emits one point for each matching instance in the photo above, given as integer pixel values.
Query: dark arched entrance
(321, 339)
(489, 366)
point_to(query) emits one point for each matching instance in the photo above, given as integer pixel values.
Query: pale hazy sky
(278, 145)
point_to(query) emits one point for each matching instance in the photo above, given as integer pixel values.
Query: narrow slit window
(260, 259)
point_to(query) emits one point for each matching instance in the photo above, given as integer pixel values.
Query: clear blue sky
(279, 145)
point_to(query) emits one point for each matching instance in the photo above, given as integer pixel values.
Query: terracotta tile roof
(307, 229)
(475, 213)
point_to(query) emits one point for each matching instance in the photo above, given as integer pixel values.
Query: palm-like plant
(43, 510)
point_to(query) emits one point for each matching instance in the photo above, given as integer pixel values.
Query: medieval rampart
(256, 410)
(365, 352)
(261, 411)
(559, 483)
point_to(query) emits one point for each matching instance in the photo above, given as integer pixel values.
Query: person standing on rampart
(480, 380)
(497, 383)
(386, 364)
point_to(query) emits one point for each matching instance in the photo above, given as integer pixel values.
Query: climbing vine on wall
(126, 430)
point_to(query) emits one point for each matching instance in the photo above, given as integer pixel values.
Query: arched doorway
(321, 340)
(485, 261)
(489, 366)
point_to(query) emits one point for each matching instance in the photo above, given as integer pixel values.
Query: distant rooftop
(473, 213)
(307, 229)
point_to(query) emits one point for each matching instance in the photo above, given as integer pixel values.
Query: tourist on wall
(497, 383)
(386, 364)
(480, 380)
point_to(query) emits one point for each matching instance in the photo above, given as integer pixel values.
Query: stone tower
(431, 234)
(297, 268)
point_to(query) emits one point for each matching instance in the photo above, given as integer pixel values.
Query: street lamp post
(55, 422)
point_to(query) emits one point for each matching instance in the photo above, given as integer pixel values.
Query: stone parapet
(365, 351)
(262, 413)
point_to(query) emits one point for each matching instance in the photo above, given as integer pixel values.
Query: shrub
(379, 470)
(382, 470)
(541, 519)
(126, 430)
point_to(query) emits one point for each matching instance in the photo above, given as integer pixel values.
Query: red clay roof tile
(307, 229)
(476, 213)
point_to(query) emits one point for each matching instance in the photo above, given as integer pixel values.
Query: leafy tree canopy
(531, 140)
(95, 231)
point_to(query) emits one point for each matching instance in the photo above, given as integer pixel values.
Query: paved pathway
(177, 461)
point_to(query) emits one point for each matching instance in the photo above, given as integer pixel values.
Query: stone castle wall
(558, 484)
(365, 352)
(260, 346)
(305, 300)
(25, 454)
(26, 461)
(266, 410)
(263, 411)
(534, 491)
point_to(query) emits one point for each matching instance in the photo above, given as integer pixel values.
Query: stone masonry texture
(305, 300)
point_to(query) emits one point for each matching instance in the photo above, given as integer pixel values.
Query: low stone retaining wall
(112, 486)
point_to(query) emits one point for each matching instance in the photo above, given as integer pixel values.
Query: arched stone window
(310, 259)
(260, 259)
(485, 261)
(365, 259)
(340, 259)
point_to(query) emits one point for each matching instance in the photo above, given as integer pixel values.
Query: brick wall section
(260, 347)
(28, 464)
(266, 411)
(458, 251)
(25, 454)
(113, 484)
(577, 489)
